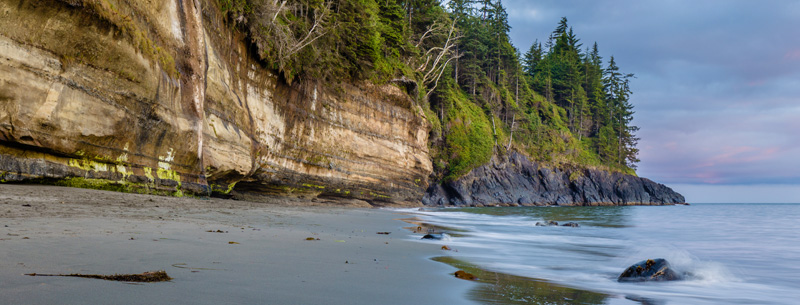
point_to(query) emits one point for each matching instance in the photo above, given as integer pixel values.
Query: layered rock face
(514, 180)
(163, 96)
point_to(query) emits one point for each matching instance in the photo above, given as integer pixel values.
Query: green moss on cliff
(97, 184)
(469, 139)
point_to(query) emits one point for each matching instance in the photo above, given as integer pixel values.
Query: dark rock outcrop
(515, 180)
(649, 270)
(551, 223)
(434, 236)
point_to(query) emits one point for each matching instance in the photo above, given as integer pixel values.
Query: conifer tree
(532, 58)
(558, 102)
(620, 113)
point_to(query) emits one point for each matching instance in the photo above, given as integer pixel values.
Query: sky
(717, 88)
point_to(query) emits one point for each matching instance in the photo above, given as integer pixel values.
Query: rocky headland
(515, 180)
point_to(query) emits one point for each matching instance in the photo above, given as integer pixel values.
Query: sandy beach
(217, 251)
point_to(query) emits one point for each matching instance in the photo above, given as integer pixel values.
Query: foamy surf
(723, 254)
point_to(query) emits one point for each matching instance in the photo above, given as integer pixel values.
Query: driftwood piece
(146, 277)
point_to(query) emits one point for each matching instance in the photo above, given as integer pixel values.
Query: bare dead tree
(432, 30)
(511, 137)
(436, 58)
(271, 21)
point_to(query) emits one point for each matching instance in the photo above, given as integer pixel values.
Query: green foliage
(469, 135)
(332, 40)
(556, 103)
(436, 124)
(236, 7)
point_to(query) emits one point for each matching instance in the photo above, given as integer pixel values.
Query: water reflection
(501, 288)
(606, 216)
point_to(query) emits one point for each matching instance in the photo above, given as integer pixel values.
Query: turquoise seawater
(735, 253)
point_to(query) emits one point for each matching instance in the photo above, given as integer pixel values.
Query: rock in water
(435, 236)
(571, 224)
(464, 275)
(649, 270)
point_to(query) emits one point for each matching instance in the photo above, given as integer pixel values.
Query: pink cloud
(730, 156)
(744, 154)
(792, 55)
(707, 177)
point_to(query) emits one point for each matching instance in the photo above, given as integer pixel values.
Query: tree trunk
(511, 136)
(494, 130)
(456, 74)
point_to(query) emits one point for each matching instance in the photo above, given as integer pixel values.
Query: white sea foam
(730, 255)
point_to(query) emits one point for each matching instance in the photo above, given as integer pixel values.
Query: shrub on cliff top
(333, 40)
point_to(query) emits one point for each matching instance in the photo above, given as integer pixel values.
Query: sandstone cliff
(514, 180)
(163, 96)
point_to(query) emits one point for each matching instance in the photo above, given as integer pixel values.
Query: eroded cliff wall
(163, 96)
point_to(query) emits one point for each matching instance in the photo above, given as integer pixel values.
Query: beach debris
(339, 241)
(26, 205)
(146, 277)
(446, 248)
(384, 233)
(465, 276)
(217, 231)
(571, 224)
(649, 270)
(232, 243)
(311, 238)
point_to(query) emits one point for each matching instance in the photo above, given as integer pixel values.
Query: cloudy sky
(717, 92)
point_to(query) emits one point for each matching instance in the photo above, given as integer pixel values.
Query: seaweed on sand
(146, 277)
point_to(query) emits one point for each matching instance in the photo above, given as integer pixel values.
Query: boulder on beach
(649, 270)
(466, 276)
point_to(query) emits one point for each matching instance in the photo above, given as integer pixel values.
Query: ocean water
(734, 253)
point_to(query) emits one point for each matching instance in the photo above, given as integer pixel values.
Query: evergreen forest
(559, 102)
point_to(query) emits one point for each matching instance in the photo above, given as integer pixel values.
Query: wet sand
(261, 257)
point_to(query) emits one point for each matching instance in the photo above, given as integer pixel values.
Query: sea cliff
(164, 96)
(169, 97)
